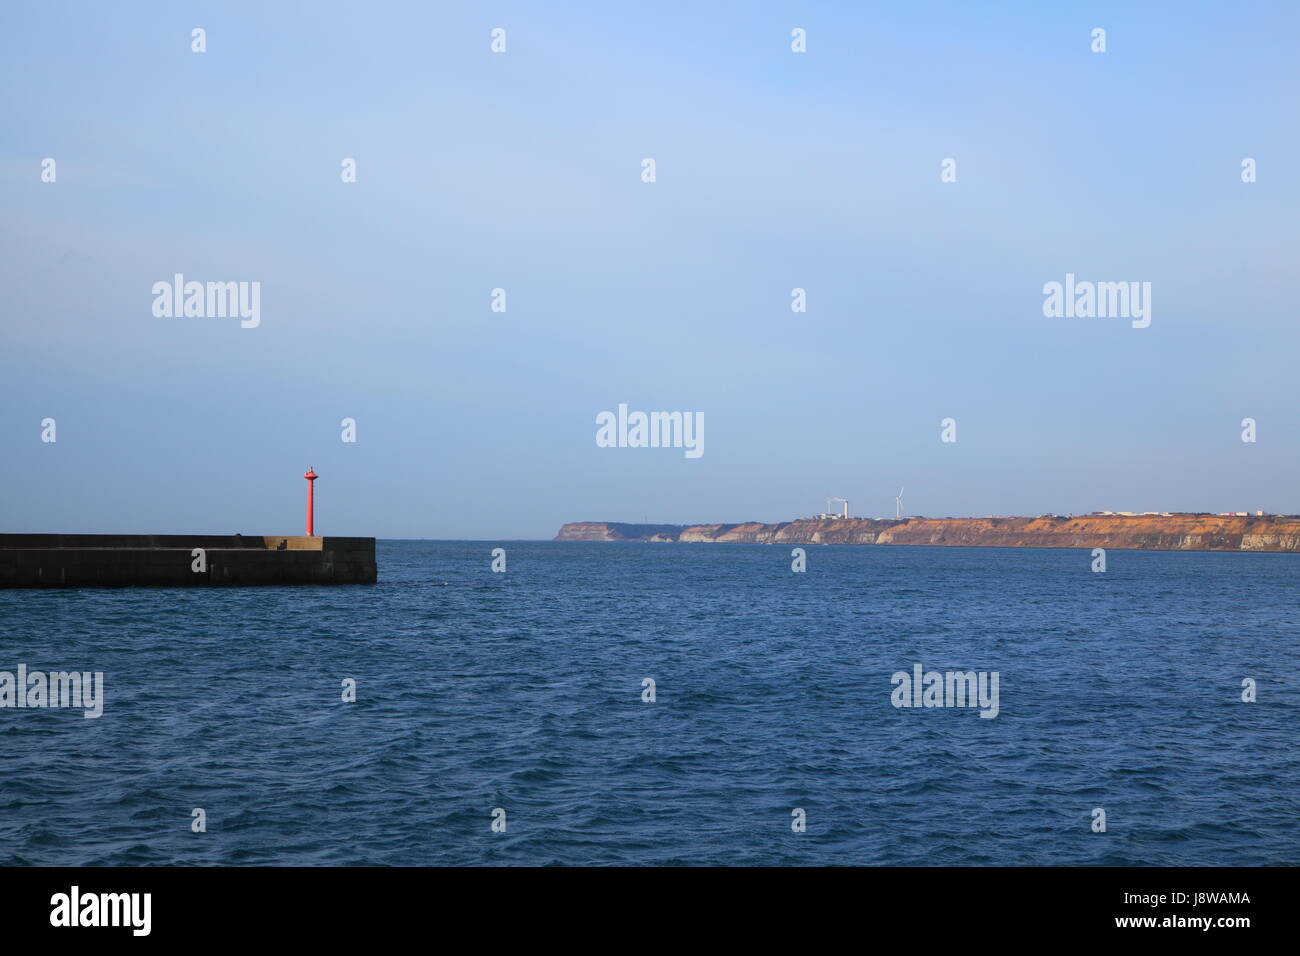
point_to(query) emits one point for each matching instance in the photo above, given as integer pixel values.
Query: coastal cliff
(1189, 532)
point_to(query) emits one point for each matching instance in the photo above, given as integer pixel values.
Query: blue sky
(521, 171)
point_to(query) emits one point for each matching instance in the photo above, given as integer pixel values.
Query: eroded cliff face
(1139, 533)
(617, 531)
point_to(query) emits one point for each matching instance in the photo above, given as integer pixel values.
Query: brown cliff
(1179, 532)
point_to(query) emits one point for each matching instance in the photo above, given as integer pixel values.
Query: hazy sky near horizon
(522, 171)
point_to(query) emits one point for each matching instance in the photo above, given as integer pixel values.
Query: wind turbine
(898, 504)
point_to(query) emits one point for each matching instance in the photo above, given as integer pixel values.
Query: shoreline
(1180, 532)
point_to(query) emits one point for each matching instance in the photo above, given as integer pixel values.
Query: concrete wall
(270, 542)
(42, 561)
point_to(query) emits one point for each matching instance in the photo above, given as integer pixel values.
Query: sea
(669, 704)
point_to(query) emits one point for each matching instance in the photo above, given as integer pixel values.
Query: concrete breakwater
(1186, 532)
(182, 560)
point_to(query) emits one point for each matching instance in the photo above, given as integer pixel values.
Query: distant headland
(1146, 532)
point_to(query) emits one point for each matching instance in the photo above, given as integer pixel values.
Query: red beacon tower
(311, 495)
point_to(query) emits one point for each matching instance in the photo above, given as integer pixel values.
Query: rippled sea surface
(523, 691)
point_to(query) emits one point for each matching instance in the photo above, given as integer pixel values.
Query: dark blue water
(523, 691)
